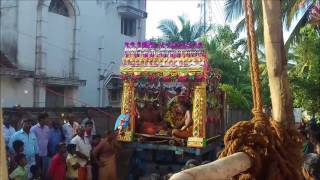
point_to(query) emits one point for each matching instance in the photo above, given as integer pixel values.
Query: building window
(114, 95)
(59, 7)
(55, 97)
(128, 26)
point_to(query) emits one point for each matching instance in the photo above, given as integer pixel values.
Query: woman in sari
(105, 155)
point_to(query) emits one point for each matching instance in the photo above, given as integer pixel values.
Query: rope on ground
(275, 150)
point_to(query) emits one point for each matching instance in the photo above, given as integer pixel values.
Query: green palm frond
(183, 20)
(188, 31)
(286, 7)
(241, 26)
(237, 11)
(294, 35)
(233, 10)
(169, 28)
(290, 10)
(197, 31)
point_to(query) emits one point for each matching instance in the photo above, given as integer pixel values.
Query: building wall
(99, 41)
(27, 16)
(106, 25)
(59, 45)
(9, 28)
(16, 92)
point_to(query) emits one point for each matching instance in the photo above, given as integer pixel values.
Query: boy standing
(20, 172)
(18, 149)
(72, 163)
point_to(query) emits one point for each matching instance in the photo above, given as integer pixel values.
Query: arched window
(59, 7)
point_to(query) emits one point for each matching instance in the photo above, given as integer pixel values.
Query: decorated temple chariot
(170, 95)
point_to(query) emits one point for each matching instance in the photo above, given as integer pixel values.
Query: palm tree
(290, 10)
(188, 31)
(235, 12)
(277, 64)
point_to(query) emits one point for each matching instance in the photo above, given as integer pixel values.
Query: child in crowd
(18, 148)
(36, 172)
(20, 172)
(57, 169)
(72, 163)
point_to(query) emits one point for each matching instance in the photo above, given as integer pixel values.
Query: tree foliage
(305, 75)
(290, 10)
(228, 53)
(187, 32)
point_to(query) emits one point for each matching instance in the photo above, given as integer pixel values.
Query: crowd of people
(66, 149)
(59, 149)
(311, 149)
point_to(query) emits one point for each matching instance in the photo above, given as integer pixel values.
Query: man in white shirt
(89, 118)
(70, 128)
(83, 149)
(8, 130)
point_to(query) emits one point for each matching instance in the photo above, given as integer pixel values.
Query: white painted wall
(26, 34)
(104, 23)
(94, 22)
(14, 92)
(59, 45)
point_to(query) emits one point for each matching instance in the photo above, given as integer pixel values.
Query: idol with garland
(185, 130)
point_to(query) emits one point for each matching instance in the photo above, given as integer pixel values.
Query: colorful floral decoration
(166, 61)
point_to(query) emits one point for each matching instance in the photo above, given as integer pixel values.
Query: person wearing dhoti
(186, 130)
(105, 155)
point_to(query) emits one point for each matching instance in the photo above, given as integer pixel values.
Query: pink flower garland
(163, 45)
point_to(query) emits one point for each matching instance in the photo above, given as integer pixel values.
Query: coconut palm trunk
(281, 99)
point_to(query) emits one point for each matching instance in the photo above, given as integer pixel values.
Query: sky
(171, 9)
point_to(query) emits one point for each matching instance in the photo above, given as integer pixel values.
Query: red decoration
(166, 78)
(199, 78)
(182, 78)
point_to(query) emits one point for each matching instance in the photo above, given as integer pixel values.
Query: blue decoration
(123, 121)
